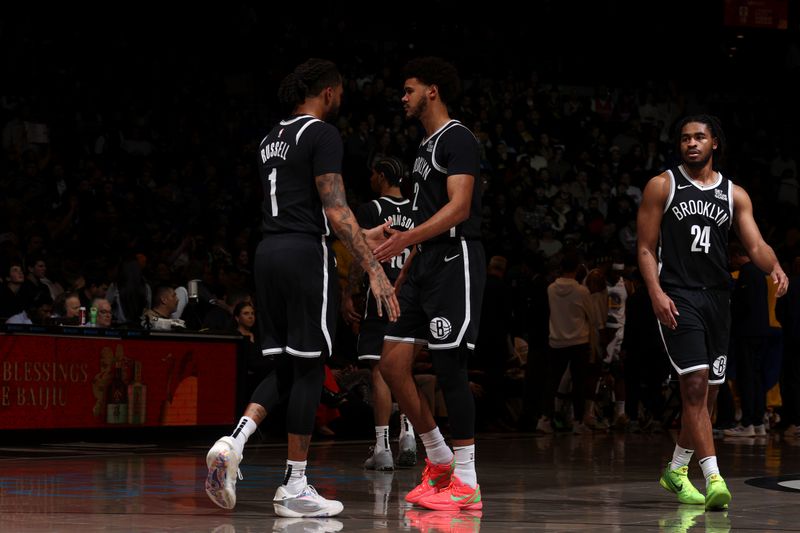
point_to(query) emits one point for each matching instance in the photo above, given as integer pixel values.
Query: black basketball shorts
(297, 294)
(702, 336)
(373, 329)
(442, 296)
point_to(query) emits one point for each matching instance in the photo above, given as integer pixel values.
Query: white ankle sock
(295, 477)
(709, 466)
(244, 429)
(435, 447)
(465, 465)
(680, 457)
(405, 426)
(382, 439)
(619, 408)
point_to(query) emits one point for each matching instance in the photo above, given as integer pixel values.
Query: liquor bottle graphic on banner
(117, 398)
(137, 396)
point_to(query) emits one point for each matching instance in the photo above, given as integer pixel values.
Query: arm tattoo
(334, 201)
(354, 277)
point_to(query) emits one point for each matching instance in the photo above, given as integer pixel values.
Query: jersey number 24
(702, 238)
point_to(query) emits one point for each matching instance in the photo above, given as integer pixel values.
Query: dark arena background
(129, 163)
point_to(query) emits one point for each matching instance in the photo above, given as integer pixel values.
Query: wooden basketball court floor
(594, 483)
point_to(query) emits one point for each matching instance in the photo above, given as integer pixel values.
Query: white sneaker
(379, 460)
(223, 469)
(307, 503)
(760, 430)
(740, 431)
(307, 525)
(407, 456)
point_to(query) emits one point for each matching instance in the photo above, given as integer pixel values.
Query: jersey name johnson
(396, 211)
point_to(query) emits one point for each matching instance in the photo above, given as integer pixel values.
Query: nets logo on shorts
(440, 328)
(720, 364)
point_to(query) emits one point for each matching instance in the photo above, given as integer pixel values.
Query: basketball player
(298, 297)
(393, 208)
(443, 288)
(683, 222)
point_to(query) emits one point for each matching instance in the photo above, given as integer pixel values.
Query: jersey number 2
(273, 185)
(702, 238)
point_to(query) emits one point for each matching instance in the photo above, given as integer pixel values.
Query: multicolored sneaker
(677, 482)
(434, 478)
(223, 469)
(457, 496)
(717, 494)
(305, 504)
(451, 521)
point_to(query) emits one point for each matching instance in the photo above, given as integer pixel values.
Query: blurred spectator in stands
(38, 310)
(93, 285)
(221, 316)
(104, 314)
(37, 276)
(549, 245)
(654, 161)
(165, 302)
(787, 310)
(67, 308)
(580, 190)
(493, 348)
(14, 294)
(255, 365)
(782, 162)
(130, 295)
(627, 188)
(788, 187)
(750, 330)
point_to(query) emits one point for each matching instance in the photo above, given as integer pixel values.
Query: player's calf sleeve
(309, 374)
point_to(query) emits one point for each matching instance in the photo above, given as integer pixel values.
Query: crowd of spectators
(126, 196)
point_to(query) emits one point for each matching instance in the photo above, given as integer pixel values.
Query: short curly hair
(714, 126)
(435, 71)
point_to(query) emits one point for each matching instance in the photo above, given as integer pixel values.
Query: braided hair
(308, 80)
(391, 168)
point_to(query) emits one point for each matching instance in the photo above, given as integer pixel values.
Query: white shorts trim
(298, 353)
(369, 357)
(272, 351)
(687, 370)
(406, 340)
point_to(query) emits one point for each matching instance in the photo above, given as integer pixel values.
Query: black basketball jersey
(398, 212)
(290, 157)
(693, 248)
(452, 149)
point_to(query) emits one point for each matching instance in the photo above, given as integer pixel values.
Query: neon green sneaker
(677, 481)
(717, 494)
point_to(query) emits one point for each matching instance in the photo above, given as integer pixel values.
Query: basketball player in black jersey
(683, 225)
(443, 289)
(297, 294)
(391, 207)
